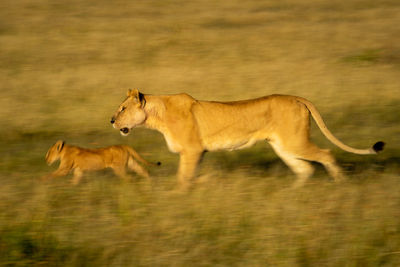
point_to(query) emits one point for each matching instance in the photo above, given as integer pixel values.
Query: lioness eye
(123, 108)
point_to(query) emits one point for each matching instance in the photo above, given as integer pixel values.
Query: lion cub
(83, 159)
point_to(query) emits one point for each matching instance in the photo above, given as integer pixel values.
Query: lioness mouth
(124, 130)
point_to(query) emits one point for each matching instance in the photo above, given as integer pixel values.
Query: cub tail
(136, 156)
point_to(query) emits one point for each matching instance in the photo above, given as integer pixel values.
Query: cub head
(130, 113)
(53, 154)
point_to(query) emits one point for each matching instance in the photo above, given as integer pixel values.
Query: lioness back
(239, 124)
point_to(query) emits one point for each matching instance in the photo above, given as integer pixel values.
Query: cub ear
(60, 145)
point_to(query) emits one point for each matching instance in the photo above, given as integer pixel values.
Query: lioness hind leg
(311, 152)
(301, 168)
(325, 157)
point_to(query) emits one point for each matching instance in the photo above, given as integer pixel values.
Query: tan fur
(80, 160)
(192, 127)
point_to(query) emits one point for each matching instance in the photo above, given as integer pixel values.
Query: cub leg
(58, 172)
(134, 166)
(120, 172)
(62, 170)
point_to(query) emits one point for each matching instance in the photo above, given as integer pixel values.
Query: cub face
(53, 154)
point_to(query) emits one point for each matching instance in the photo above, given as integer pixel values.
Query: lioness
(83, 159)
(192, 127)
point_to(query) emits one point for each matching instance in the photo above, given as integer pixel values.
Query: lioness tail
(377, 147)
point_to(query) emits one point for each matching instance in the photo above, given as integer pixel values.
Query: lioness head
(53, 154)
(130, 113)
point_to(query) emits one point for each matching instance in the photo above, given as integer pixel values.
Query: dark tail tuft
(158, 163)
(378, 146)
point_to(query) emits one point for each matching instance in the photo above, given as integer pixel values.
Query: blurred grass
(230, 220)
(65, 66)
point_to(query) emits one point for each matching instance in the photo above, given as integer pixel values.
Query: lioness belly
(232, 126)
(230, 142)
(229, 145)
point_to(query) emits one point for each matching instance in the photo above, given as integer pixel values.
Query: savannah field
(66, 66)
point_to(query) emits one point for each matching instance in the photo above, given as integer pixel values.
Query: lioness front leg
(187, 166)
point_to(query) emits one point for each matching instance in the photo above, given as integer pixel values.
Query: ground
(66, 66)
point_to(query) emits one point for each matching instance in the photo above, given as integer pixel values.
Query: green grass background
(66, 66)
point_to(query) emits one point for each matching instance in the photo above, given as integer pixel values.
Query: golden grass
(234, 219)
(65, 66)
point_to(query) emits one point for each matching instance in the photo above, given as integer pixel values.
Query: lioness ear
(133, 93)
(137, 96)
(60, 145)
(129, 92)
